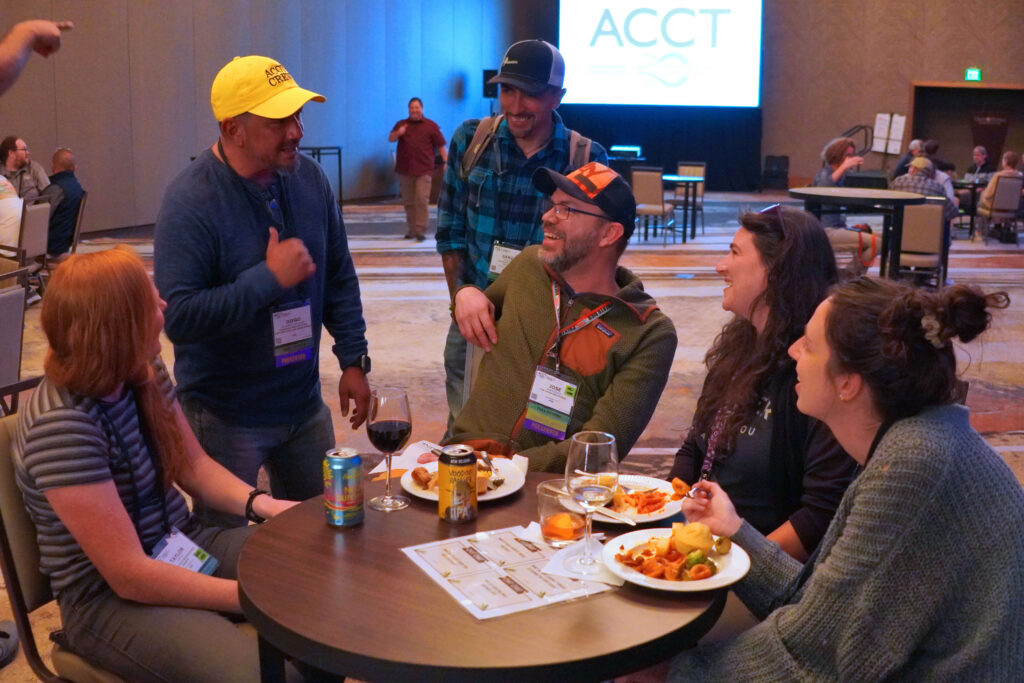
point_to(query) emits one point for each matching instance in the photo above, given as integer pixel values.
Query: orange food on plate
(643, 502)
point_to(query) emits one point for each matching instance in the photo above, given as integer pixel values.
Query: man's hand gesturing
(288, 260)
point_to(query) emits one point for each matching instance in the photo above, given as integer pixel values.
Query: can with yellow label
(456, 484)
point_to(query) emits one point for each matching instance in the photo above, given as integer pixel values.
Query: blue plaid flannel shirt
(498, 200)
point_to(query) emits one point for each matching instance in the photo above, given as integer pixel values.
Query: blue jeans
(292, 454)
(454, 373)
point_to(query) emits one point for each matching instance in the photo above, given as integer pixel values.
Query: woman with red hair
(101, 453)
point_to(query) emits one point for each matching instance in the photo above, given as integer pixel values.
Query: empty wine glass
(591, 475)
(388, 427)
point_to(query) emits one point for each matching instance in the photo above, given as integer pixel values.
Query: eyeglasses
(774, 210)
(21, 149)
(563, 211)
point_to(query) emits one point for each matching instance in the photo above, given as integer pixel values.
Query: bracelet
(250, 514)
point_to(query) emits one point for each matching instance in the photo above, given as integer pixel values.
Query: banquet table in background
(348, 601)
(889, 203)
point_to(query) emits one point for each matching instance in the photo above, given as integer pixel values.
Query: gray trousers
(154, 643)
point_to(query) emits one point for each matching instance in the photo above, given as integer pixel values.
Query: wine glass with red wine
(389, 427)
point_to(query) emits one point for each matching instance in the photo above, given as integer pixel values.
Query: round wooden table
(890, 202)
(349, 602)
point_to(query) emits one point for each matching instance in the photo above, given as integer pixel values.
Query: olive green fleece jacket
(620, 361)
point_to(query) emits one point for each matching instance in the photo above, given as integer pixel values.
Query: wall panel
(163, 109)
(93, 104)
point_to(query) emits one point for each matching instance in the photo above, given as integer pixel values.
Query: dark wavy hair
(897, 338)
(834, 151)
(801, 269)
(8, 145)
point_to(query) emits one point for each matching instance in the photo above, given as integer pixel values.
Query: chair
(678, 199)
(923, 242)
(1005, 203)
(35, 226)
(27, 587)
(650, 197)
(12, 326)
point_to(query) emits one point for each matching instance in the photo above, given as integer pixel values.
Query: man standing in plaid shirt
(487, 213)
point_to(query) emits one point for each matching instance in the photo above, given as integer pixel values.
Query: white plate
(514, 480)
(731, 567)
(638, 481)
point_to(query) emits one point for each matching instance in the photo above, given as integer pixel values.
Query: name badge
(178, 549)
(293, 333)
(550, 406)
(501, 256)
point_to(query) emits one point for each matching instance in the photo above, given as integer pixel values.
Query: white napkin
(522, 462)
(556, 565)
(408, 458)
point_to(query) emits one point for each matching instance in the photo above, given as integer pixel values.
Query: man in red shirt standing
(418, 138)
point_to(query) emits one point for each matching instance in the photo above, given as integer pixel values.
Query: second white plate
(514, 480)
(731, 567)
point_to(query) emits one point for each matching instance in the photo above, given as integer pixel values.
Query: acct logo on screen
(668, 52)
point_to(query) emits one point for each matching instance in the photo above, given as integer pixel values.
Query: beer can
(456, 484)
(343, 487)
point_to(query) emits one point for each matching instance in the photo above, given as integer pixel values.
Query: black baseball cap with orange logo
(596, 184)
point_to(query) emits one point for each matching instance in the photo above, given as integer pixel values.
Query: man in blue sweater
(252, 258)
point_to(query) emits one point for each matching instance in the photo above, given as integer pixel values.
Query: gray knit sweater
(920, 575)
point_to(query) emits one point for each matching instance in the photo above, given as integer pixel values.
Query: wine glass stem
(587, 559)
(387, 481)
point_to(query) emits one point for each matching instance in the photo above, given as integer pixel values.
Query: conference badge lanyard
(502, 254)
(175, 547)
(293, 333)
(553, 393)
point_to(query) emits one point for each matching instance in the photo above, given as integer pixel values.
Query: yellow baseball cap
(258, 85)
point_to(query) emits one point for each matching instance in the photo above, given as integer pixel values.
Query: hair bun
(964, 311)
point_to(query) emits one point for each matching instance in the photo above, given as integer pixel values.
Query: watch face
(364, 363)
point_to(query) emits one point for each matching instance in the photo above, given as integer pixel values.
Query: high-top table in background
(348, 601)
(888, 202)
(688, 184)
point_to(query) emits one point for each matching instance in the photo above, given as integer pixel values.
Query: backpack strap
(579, 150)
(485, 131)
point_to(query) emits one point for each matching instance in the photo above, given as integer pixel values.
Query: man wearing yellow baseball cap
(251, 256)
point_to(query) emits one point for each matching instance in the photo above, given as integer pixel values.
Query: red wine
(388, 436)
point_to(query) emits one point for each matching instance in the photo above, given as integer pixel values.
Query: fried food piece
(693, 536)
(421, 477)
(679, 488)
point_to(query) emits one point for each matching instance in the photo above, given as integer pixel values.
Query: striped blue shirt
(498, 201)
(64, 440)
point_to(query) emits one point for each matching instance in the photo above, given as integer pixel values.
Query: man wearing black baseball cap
(605, 348)
(489, 209)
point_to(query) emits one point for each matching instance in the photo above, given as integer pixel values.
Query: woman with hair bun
(100, 446)
(920, 576)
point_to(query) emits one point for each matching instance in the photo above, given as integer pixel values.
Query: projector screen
(662, 52)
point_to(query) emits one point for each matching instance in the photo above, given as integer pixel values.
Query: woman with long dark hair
(785, 471)
(920, 575)
(101, 445)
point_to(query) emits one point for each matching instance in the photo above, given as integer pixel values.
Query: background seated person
(568, 307)
(931, 150)
(100, 446)
(921, 180)
(27, 176)
(65, 211)
(837, 159)
(980, 171)
(784, 470)
(10, 216)
(915, 148)
(919, 575)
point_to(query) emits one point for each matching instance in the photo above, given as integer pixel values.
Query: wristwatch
(363, 364)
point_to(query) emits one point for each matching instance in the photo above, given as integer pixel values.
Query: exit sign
(972, 74)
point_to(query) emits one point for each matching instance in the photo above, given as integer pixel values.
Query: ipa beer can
(456, 484)
(343, 487)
